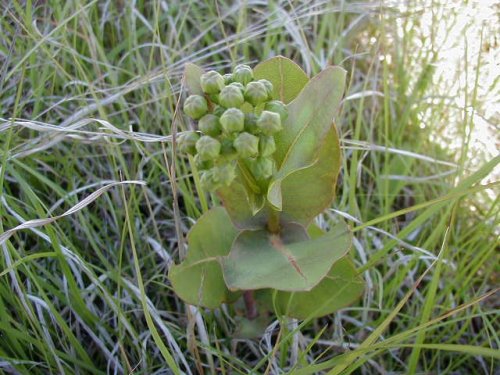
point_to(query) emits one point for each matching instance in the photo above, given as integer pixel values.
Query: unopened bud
(278, 107)
(243, 74)
(218, 176)
(209, 181)
(269, 122)
(262, 168)
(202, 165)
(210, 125)
(255, 93)
(247, 145)
(211, 82)
(251, 123)
(225, 174)
(228, 78)
(269, 87)
(195, 106)
(267, 146)
(232, 120)
(238, 85)
(208, 148)
(231, 97)
(186, 142)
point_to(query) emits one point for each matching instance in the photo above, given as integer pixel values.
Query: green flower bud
(208, 148)
(251, 123)
(231, 96)
(255, 93)
(243, 74)
(238, 85)
(232, 120)
(195, 106)
(269, 122)
(267, 146)
(269, 87)
(211, 82)
(228, 78)
(225, 174)
(218, 176)
(202, 165)
(210, 125)
(209, 181)
(186, 142)
(247, 145)
(242, 66)
(262, 168)
(277, 107)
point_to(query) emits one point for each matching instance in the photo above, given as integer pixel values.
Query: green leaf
(288, 261)
(288, 78)
(192, 75)
(198, 280)
(341, 287)
(310, 117)
(307, 192)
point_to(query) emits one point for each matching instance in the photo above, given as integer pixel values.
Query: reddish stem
(250, 304)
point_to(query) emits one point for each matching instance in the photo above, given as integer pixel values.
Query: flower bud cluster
(237, 120)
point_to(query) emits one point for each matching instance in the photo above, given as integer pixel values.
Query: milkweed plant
(267, 146)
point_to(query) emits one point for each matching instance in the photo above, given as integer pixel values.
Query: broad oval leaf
(192, 75)
(307, 192)
(289, 261)
(288, 78)
(310, 117)
(341, 287)
(198, 279)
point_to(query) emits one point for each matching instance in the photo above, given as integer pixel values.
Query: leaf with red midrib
(289, 262)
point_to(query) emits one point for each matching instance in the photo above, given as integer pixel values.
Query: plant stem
(250, 304)
(273, 223)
